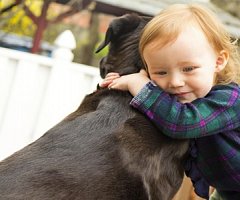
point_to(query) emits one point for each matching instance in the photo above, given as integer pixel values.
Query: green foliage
(82, 40)
(16, 21)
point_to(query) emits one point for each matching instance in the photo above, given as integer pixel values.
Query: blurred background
(34, 25)
(48, 64)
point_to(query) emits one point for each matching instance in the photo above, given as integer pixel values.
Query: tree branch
(11, 6)
(30, 14)
(60, 17)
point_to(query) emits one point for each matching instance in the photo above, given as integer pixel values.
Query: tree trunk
(41, 26)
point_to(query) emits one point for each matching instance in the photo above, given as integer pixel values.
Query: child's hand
(132, 82)
(108, 79)
(121, 83)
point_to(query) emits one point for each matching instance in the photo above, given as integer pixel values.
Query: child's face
(185, 67)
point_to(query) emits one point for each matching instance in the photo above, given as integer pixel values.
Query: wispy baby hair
(168, 24)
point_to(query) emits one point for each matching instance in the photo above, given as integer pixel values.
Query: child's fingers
(113, 84)
(110, 86)
(112, 74)
(110, 77)
(105, 83)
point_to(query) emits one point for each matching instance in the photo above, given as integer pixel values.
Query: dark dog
(105, 149)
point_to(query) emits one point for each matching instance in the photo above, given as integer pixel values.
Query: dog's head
(123, 36)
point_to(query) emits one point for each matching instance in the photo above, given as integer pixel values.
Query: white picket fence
(36, 93)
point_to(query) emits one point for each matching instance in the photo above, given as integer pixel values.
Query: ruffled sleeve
(201, 187)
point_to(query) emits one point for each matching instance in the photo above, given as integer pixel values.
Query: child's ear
(222, 60)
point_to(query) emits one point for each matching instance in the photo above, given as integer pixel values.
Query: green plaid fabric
(213, 122)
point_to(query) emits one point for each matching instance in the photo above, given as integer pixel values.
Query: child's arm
(217, 112)
(132, 82)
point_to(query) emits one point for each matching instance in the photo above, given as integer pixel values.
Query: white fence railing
(36, 93)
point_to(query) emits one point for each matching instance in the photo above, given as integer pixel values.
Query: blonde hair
(166, 26)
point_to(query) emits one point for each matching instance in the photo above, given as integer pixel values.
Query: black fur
(105, 150)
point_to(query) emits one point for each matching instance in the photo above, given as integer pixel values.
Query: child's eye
(161, 73)
(188, 69)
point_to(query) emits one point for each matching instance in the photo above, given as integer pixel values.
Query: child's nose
(176, 81)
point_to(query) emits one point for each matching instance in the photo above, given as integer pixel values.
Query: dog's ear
(118, 27)
(109, 35)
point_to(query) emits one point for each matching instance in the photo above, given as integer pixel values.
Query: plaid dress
(213, 125)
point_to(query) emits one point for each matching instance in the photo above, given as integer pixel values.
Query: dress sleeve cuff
(146, 97)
